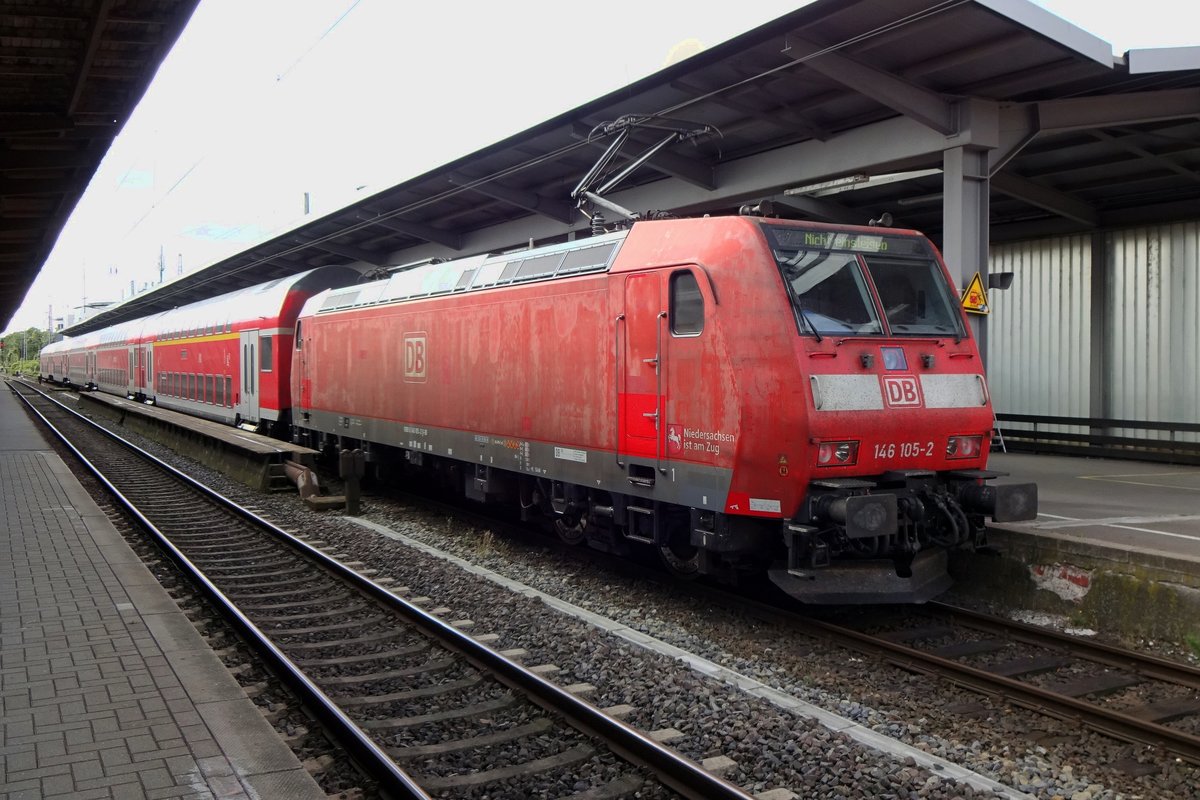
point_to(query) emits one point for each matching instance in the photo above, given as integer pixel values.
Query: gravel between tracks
(1030, 753)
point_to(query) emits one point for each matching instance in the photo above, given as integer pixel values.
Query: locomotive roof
(486, 271)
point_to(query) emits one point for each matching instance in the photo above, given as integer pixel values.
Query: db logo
(901, 390)
(414, 357)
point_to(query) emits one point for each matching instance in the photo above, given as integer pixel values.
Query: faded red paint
(572, 362)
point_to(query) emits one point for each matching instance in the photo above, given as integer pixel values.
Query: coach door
(145, 382)
(641, 404)
(247, 407)
(131, 373)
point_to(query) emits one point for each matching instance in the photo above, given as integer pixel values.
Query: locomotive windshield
(826, 274)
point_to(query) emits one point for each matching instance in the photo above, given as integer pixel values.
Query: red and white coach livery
(743, 394)
(227, 358)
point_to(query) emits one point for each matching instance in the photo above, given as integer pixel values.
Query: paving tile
(87, 770)
(92, 794)
(99, 670)
(57, 784)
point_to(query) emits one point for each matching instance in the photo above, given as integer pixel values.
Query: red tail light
(964, 446)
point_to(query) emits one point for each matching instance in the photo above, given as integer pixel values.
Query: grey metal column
(1101, 349)
(965, 231)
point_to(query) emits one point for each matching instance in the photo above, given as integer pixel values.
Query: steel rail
(675, 771)
(1142, 663)
(1115, 723)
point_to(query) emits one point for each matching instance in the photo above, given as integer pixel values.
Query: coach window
(209, 394)
(265, 353)
(220, 391)
(229, 391)
(687, 305)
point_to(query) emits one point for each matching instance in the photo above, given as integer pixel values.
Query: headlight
(964, 446)
(837, 454)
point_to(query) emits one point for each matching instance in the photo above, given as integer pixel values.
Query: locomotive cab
(900, 417)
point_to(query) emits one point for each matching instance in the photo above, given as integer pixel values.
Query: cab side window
(687, 305)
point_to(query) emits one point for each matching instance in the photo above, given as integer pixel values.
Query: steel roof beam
(1084, 113)
(85, 63)
(530, 201)
(45, 159)
(36, 186)
(41, 12)
(963, 55)
(897, 142)
(417, 230)
(818, 208)
(1032, 79)
(783, 119)
(928, 108)
(22, 227)
(1143, 153)
(1045, 198)
(346, 251)
(23, 124)
(1022, 123)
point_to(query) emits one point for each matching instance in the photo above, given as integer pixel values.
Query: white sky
(263, 100)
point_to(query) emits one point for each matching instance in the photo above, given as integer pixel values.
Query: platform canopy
(71, 73)
(963, 119)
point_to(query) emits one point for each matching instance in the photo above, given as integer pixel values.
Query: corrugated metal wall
(1040, 330)
(1153, 360)
(1143, 350)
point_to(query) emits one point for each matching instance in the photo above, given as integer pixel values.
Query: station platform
(106, 688)
(1150, 512)
(248, 457)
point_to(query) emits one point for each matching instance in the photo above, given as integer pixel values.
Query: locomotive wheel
(681, 560)
(679, 555)
(571, 529)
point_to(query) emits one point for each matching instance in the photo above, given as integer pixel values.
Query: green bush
(29, 367)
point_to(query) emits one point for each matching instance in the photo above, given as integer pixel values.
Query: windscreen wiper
(807, 321)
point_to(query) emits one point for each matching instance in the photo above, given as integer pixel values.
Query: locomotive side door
(300, 370)
(247, 405)
(641, 404)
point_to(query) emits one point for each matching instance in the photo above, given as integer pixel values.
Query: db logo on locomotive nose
(414, 357)
(901, 390)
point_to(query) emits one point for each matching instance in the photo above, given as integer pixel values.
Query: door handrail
(617, 384)
(658, 393)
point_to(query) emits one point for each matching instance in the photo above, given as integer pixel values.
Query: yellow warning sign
(974, 299)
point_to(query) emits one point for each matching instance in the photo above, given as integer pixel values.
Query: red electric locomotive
(743, 394)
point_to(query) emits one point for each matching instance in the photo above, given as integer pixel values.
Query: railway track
(1130, 696)
(424, 707)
